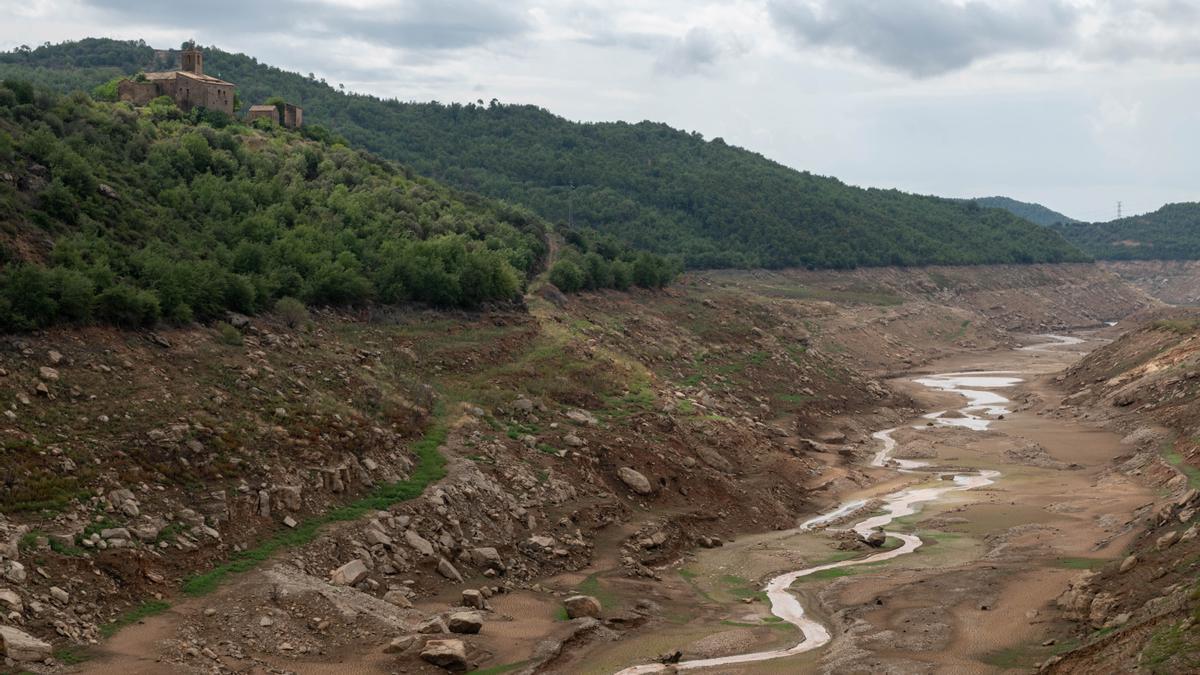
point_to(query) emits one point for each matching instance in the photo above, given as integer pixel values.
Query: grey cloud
(698, 49)
(925, 37)
(406, 24)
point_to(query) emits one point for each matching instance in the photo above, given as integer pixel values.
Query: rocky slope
(345, 491)
(1175, 282)
(1142, 612)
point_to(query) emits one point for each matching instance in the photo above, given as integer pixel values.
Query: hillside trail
(1030, 490)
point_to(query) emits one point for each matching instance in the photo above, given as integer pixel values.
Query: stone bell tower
(192, 60)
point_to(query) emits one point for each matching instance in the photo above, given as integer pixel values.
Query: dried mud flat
(978, 596)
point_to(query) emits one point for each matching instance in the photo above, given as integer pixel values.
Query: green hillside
(134, 216)
(1170, 233)
(1034, 213)
(659, 188)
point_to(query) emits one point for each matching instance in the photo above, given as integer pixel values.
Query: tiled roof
(173, 74)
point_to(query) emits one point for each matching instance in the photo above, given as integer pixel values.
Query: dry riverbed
(977, 596)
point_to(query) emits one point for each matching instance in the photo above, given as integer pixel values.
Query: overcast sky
(1072, 103)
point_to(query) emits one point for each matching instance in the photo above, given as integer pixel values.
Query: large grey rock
(434, 624)
(349, 574)
(12, 600)
(582, 417)
(465, 622)
(21, 646)
(400, 645)
(398, 598)
(876, 538)
(635, 480)
(448, 654)
(446, 569)
(419, 543)
(582, 605)
(487, 557)
(14, 572)
(474, 599)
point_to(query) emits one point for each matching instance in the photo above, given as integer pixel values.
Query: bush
(291, 311)
(567, 276)
(229, 335)
(127, 306)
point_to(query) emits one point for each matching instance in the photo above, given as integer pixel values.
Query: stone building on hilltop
(189, 87)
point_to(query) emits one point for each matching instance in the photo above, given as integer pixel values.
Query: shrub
(567, 276)
(127, 306)
(229, 335)
(291, 311)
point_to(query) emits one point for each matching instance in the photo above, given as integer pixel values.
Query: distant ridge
(1033, 212)
(1170, 233)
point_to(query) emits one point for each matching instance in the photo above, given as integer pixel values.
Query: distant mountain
(658, 188)
(1032, 212)
(1170, 233)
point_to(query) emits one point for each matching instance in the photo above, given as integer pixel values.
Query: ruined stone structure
(292, 117)
(258, 112)
(189, 87)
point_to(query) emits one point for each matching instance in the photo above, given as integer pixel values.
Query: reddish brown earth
(745, 400)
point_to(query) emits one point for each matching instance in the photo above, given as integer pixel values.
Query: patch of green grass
(67, 549)
(547, 449)
(1175, 644)
(71, 655)
(832, 573)
(431, 467)
(560, 614)
(690, 577)
(1176, 460)
(143, 611)
(592, 586)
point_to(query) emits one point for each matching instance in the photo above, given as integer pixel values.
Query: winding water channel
(983, 405)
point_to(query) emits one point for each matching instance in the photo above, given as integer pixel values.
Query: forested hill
(1032, 212)
(133, 217)
(661, 189)
(1170, 233)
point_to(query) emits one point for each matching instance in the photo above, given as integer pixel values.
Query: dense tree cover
(661, 189)
(133, 216)
(1034, 213)
(1170, 233)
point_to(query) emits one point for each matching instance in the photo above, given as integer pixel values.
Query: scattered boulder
(635, 480)
(12, 600)
(448, 654)
(582, 417)
(446, 569)
(400, 644)
(398, 598)
(474, 599)
(876, 538)
(14, 572)
(432, 625)
(465, 622)
(419, 543)
(581, 606)
(1128, 563)
(349, 574)
(1167, 540)
(488, 558)
(21, 646)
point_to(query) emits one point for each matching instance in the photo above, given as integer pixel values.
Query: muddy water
(984, 403)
